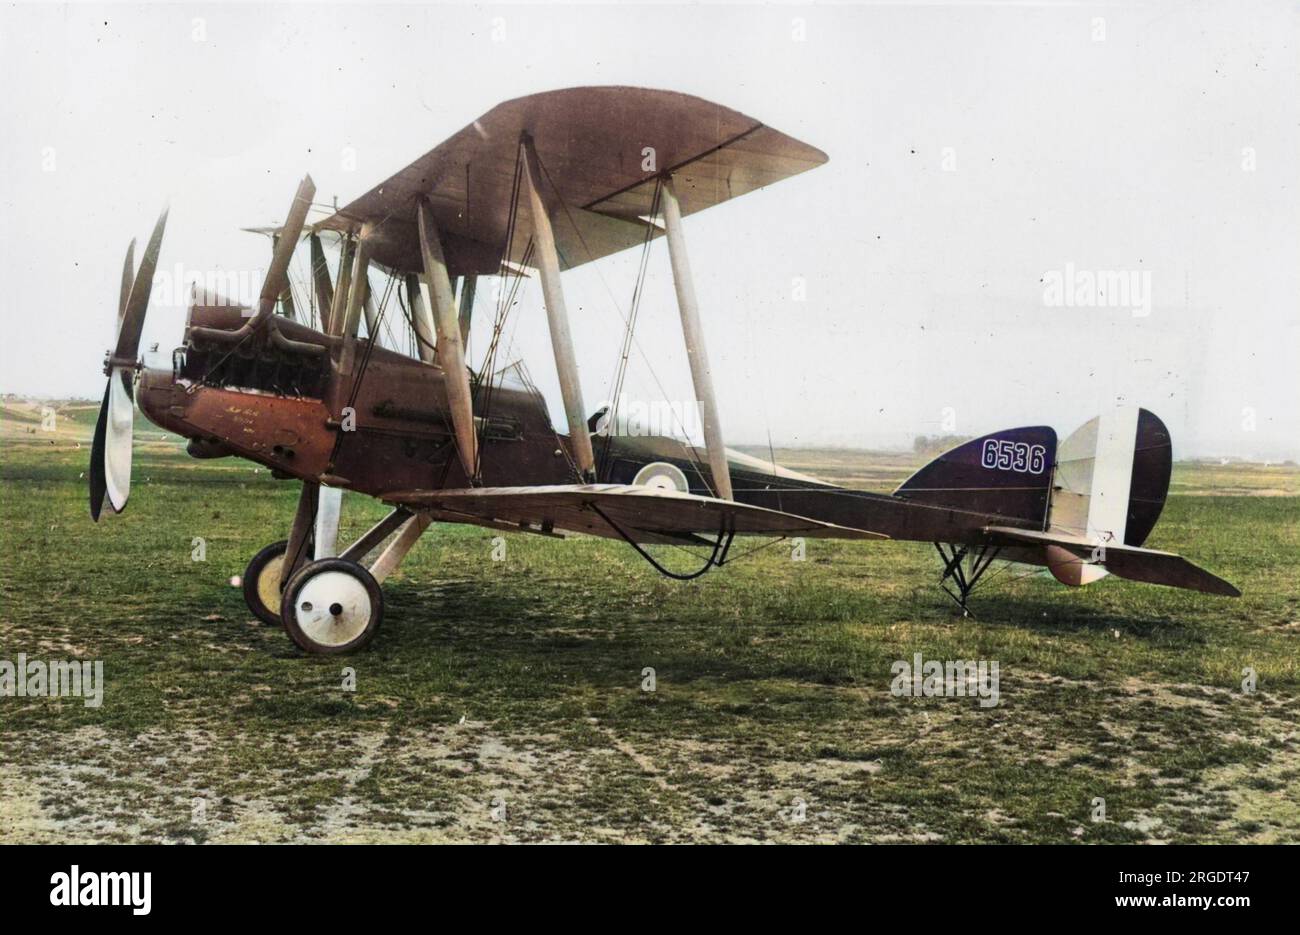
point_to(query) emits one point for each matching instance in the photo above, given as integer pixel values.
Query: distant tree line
(937, 444)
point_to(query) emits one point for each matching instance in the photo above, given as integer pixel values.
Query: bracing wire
(629, 333)
(591, 256)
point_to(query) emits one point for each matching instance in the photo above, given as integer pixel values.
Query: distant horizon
(762, 445)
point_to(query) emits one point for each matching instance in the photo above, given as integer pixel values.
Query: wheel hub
(333, 608)
(268, 583)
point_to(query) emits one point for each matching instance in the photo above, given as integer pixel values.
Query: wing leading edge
(645, 514)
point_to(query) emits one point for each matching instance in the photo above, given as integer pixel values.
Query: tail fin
(1006, 474)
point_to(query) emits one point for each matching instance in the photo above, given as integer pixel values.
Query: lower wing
(642, 514)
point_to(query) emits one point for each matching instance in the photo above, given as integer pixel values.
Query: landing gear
(332, 606)
(265, 576)
(964, 565)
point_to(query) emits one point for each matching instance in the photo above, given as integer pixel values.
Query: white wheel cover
(662, 476)
(312, 608)
(117, 440)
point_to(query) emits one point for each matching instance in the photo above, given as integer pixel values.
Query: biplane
(536, 186)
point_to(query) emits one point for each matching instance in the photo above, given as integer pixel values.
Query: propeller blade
(97, 483)
(128, 274)
(110, 452)
(128, 338)
(117, 437)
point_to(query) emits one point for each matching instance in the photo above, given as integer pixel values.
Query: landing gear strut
(266, 574)
(335, 605)
(964, 565)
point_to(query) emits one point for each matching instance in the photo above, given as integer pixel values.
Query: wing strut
(557, 316)
(696, 353)
(372, 313)
(355, 299)
(320, 278)
(420, 319)
(468, 283)
(451, 353)
(333, 318)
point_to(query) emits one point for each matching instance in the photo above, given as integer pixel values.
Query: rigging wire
(417, 340)
(505, 302)
(487, 383)
(294, 278)
(381, 320)
(356, 384)
(620, 374)
(688, 449)
(721, 546)
(412, 348)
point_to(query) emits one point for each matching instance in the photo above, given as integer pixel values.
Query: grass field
(502, 700)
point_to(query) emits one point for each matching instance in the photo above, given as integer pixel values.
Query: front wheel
(332, 606)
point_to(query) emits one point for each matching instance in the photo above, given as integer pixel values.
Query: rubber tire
(255, 565)
(304, 574)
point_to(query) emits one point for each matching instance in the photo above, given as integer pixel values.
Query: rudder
(1109, 485)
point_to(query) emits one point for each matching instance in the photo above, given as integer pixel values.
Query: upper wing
(644, 514)
(601, 149)
(1127, 561)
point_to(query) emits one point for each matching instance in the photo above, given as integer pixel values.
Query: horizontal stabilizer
(644, 514)
(1136, 564)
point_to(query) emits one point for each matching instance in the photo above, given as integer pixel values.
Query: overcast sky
(976, 151)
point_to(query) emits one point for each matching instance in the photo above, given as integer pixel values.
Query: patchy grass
(518, 683)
